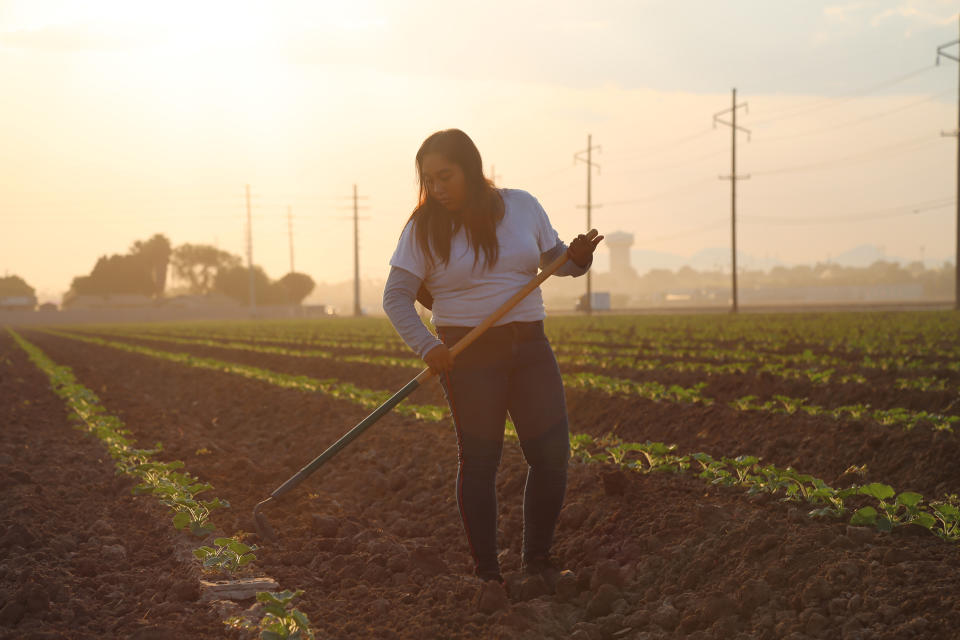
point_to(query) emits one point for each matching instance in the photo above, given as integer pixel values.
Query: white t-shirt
(464, 295)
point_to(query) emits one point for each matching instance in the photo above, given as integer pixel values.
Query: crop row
(806, 365)
(651, 390)
(174, 488)
(844, 333)
(940, 517)
(890, 509)
(815, 376)
(890, 340)
(368, 398)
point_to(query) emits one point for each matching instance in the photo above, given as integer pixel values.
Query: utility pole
(290, 232)
(357, 311)
(589, 206)
(733, 177)
(493, 174)
(253, 298)
(941, 52)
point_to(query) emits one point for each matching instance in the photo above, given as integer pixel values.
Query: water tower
(619, 243)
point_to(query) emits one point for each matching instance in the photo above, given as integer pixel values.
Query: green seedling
(281, 621)
(227, 554)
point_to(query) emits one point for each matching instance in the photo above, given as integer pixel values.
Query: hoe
(265, 531)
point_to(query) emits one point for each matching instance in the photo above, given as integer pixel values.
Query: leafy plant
(227, 554)
(904, 509)
(281, 620)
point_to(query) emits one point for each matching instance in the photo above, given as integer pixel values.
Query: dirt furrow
(375, 541)
(918, 460)
(79, 556)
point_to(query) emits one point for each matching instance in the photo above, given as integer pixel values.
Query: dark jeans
(509, 369)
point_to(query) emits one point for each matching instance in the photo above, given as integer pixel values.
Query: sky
(123, 119)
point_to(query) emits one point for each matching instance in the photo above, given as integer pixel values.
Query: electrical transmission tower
(941, 52)
(733, 177)
(578, 156)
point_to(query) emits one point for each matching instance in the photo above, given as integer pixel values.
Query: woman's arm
(398, 297)
(569, 268)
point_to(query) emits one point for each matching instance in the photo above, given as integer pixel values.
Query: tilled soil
(80, 557)
(919, 460)
(375, 541)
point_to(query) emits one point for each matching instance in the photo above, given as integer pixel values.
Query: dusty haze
(121, 120)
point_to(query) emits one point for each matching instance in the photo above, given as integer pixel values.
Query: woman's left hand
(581, 249)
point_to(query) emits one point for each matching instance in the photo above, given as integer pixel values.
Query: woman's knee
(551, 450)
(480, 455)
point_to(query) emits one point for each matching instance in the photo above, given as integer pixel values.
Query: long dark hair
(483, 209)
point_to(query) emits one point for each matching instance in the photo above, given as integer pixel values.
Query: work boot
(492, 596)
(546, 568)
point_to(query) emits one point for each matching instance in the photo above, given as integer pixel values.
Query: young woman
(466, 249)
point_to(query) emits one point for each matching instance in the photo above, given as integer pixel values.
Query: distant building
(72, 300)
(206, 301)
(619, 243)
(18, 303)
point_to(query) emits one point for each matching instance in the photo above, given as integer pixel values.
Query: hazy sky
(124, 119)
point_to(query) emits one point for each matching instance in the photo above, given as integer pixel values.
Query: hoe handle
(424, 375)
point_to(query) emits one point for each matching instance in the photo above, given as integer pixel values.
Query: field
(753, 476)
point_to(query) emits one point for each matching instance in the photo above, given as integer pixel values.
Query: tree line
(204, 270)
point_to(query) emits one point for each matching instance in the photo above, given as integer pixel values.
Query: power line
(684, 188)
(877, 214)
(855, 122)
(864, 156)
(828, 103)
(666, 167)
(650, 151)
(717, 224)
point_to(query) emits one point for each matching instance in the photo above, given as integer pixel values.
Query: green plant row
(815, 375)
(744, 471)
(651, 390)
(890, 510)
(175, 489)
(368, 398)
(264, 333)
(805, 366)
(904, 418)
(386, 361)
(888, 334)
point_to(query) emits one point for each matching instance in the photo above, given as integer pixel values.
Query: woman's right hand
(439, 359)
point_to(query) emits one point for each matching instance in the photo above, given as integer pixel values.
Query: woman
(467, 248)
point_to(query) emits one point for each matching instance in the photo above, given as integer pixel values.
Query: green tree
(15, 286)
(234, 282)
(142, 271)
(200, 265)
(293, 287)
(155, 254)
(116, 274)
